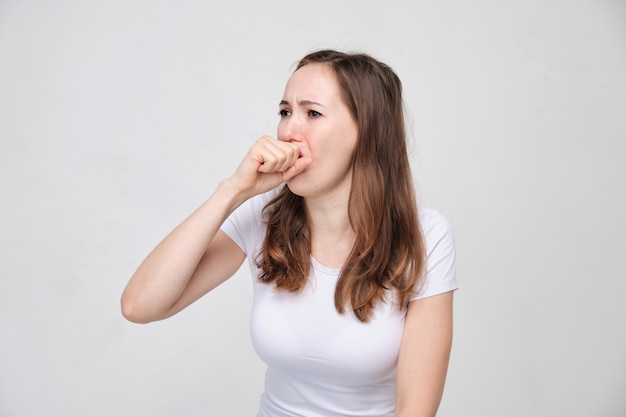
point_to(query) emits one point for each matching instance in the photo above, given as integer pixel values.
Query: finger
(266, 154)
(292, 153)
(300, 165)
(268, 160)
(278, 156)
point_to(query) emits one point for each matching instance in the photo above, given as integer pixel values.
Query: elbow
(133, 312)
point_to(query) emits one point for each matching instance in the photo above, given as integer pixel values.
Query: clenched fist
(268, 163)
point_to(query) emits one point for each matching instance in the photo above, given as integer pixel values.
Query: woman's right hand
(268, 163)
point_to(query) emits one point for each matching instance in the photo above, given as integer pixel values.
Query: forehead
(313, 81)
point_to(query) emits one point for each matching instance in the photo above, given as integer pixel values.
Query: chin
(299, 186)
(294, 189)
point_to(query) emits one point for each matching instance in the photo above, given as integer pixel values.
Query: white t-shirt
(321, 363)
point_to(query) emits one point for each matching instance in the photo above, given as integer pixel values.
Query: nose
(290, 129)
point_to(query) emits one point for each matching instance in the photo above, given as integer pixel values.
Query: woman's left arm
(424, 356)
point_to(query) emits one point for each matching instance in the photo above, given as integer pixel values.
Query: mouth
(303, 152)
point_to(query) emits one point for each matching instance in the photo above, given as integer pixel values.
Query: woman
(353, 286)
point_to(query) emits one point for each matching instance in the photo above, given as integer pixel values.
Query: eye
(284, 113)
(314, 114)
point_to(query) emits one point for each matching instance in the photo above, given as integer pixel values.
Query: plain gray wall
(118, 118)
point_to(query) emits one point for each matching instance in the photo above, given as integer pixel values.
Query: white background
(118, 118)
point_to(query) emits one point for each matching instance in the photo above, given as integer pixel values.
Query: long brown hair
(389, 251)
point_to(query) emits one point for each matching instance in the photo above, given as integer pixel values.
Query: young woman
(353, 280)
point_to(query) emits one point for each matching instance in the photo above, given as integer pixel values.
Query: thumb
(300, 165)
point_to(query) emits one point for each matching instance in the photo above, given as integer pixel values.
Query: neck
(330, 217)
(332, 236)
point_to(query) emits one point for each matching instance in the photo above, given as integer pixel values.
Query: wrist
(228, 192)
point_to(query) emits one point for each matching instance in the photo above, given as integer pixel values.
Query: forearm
(165, 273)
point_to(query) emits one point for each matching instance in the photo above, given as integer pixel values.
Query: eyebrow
(302, 103)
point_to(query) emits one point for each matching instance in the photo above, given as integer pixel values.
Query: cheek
(349, 136)
(340, 157)
(348, 144)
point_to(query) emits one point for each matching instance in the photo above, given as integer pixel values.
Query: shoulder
(246, 225)
(253, 208)
(440, 263)
(434, 225)
(257, 203)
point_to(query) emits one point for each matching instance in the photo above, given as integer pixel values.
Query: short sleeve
(440, 267)
(245, 225)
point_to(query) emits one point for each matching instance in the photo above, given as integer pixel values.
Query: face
(314, 116)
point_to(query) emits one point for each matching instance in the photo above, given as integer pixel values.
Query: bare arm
(424, 356)
(196, 256)
(182, 267)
